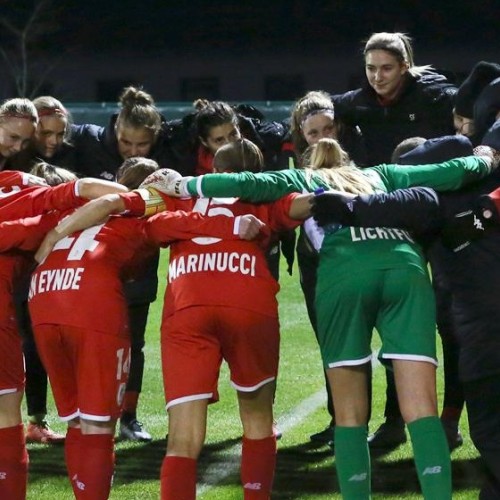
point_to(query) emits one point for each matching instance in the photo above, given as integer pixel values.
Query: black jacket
(183, 142)
(423, 109)
(27, 158)
(96, 150)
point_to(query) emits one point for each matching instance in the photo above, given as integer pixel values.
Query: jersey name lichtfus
(379, 233)
(51, 280)
(224, 262)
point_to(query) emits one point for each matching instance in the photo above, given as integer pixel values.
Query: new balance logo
(253, 486)
(357, 478)
(432, 470)
(79, 484)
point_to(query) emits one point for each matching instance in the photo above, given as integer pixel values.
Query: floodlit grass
(303, 472)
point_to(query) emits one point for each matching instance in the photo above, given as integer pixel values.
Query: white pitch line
(214, 474)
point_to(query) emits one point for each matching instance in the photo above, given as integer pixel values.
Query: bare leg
(349, 385)
(256, 411)
(258, 456)
(10, 409)
(187, 424)
(416, 387)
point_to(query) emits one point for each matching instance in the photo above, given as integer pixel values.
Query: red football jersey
(79, 284)
(18, 201)
(211, 271)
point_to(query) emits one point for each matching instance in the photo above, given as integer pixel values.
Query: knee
(184, 446)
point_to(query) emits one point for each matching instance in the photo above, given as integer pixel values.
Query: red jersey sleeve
(61, 197)
(167, 227)
(279, 219)
(26, 234)
(9, 178)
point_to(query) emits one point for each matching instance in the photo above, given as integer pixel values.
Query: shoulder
(87, 131)
(435, 85)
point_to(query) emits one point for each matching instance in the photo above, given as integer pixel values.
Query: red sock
(258, 461)
(130, 400)
(178, 478)
(72, 455)
(95, 467)
(13, 463)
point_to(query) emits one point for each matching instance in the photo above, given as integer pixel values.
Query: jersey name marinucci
(211, 271)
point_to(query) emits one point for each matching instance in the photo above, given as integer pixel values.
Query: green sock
(352, 461)
(432, 457)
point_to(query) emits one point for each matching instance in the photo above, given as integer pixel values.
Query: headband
(322, 111)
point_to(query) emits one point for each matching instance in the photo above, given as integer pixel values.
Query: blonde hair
(52, 174)
(327, 159)
(314, 102)
(399, 45)
(19, 107)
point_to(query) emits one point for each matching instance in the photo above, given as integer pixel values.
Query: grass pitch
(303, 471)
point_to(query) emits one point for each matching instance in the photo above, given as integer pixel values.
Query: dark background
(88, 50)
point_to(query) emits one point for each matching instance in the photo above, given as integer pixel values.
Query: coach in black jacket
(398, 100)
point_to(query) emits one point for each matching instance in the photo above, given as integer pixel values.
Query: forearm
(415, 209)
(94, 188)
(300, 208)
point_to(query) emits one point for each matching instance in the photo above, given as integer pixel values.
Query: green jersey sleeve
(261, 187)
(446, 176)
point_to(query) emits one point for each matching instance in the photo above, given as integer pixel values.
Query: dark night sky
(157, 24)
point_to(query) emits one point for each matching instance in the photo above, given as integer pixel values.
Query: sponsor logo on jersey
(54, 280)
(379, 233)
(231, 262)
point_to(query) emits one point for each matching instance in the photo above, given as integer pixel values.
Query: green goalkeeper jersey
(349, 250)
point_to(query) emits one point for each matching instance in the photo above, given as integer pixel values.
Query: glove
(489, 204)
(332, 207)
(492, 156)
(168, 182)
(465, 227)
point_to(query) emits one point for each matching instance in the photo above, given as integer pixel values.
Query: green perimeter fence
(99, 113)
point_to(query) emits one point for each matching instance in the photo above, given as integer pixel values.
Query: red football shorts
(195, 340)
(88, 370)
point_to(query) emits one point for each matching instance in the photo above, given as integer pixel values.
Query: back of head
(438, 150)
(138, 110)
(316, 101)
(18, 107)
(210, 114)
(134, 170)
(238, 156)
(405, 146)
(328, 160)
(487, 108)
(52, 174)
(399, 45)
(481, 75)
